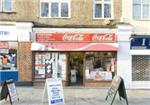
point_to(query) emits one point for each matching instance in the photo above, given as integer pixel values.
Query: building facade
(15, 51)
(66, 35)
(138, 73)
(15, 39)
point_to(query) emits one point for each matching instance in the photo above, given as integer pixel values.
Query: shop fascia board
(140, 52)
(22, 30)
(8, 23)
(76, 30)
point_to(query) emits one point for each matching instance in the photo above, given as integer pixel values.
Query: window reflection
(7, 5)
(98, 10)
(44, 9)
(64, 10)
(54, 9)
(107, 10)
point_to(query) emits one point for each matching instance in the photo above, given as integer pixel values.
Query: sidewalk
(79, 96)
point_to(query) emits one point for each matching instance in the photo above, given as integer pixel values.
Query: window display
(50, 65)
(8, 56)
(39, 65)
(100, 65)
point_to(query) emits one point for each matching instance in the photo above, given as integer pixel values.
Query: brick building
(48, 31)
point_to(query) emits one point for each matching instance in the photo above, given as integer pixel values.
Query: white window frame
(0, 5)
(59, 8)
(2, 9)
(141, 16)
(103, 2)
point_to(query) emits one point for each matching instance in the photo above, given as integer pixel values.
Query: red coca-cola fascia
(75, 37)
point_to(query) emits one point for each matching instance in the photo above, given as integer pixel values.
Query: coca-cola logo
(105, 37)
(73, 37)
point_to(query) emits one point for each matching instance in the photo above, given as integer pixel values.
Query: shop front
(8, 53)
(78, 58)
(140, 52)
(15, 53)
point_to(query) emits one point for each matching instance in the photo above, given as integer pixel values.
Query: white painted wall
(124, 62)
(123, 55)
(139, 26)
(24, 31)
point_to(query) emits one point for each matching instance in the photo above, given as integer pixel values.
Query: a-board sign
(54, 91)
(117, 85)
(9, 89)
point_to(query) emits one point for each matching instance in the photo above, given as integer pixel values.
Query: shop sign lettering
(4, 32)
(75, 37)
(8, 33)
(104, 37)
(140, 43)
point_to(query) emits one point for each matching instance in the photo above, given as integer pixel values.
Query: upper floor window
(141, 9)
(55, 8)
(5, 5)
(102, 9)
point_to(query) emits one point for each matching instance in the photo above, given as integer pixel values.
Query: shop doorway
(75, 68)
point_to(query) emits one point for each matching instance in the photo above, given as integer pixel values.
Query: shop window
(50, 65)
(141, 9)
(55, 8)
(102, 9)
(44, 9)
(5, 5)
(8, 59)
(100, 65)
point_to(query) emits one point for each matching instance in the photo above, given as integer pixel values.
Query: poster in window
(102, 75)
(8, 60)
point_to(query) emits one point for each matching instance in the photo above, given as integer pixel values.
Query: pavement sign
(9, 89)
(54, 91)
(117, 85)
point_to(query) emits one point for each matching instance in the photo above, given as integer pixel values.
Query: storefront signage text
(8, 33)
(140, 43)
(75, 37)
(4, 33)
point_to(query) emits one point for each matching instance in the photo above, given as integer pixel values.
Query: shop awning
(74, 46)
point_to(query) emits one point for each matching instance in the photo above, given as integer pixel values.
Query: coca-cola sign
(103, 37)
(75, 37)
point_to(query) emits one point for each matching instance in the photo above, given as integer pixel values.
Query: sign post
(54, 91)
(117, 85)
(9, 89)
